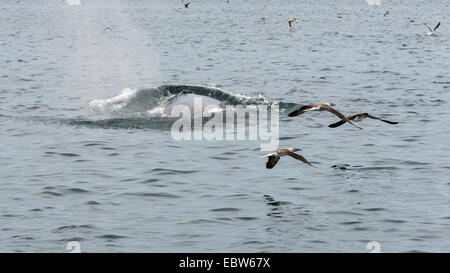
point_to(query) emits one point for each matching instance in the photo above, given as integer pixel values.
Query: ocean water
(86, 155)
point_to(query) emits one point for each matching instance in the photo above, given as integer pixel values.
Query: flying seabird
(107, 28)
(186, 5)
(291, 21)
(411, 20)
(275, 156)
(357, 118)
(432, 31)
(321, 107)
(387, 13)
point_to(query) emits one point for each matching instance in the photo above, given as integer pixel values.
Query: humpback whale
(192, 100)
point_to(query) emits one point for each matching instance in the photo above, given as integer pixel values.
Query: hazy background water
(67, 173)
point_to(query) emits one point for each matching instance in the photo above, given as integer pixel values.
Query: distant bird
(321, 107)
(107, 28)
(187, 5)
(432, 31)
(359, 117)
(275, 156)
(387, 13)
(340, 17)
(263, 18)
(411, 20)
(291, 21)
(374, 2)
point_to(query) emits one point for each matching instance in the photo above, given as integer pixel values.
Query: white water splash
(115, 103)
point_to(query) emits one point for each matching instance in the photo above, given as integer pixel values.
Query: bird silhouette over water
(321, 107)
(359, 117)
(276, 155)
(432, 31)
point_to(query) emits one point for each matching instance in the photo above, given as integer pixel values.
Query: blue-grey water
(83, 158)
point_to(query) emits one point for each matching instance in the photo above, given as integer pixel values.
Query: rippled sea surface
(83, 159)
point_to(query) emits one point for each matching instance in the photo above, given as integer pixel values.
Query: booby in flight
(275, 156)
(321, 107)
(359, 117)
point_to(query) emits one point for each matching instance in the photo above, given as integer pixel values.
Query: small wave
(162, 171)
(111, 237)
(71, 228)
(51, 193)
(77, 190)
(225, 210)
(246, 218)
(152, 194)
(374, 209)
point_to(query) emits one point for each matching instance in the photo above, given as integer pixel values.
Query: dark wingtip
(293, 114)
(336, 124)
(304, 107)
(298, 111)
(390, 122)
